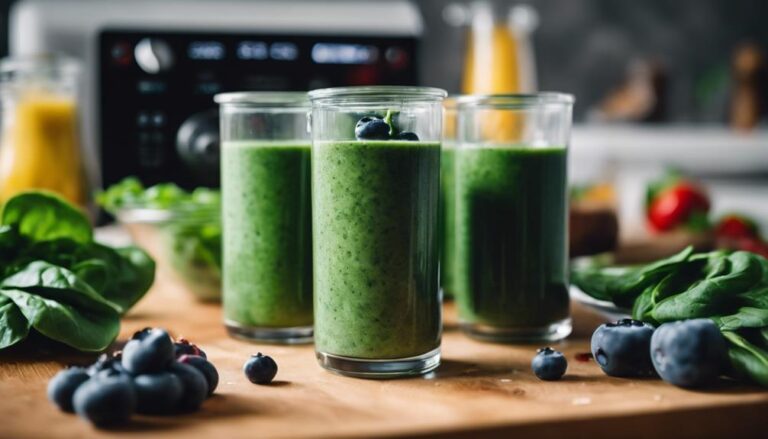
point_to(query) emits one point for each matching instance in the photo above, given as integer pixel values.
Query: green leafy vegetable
(747, 360)
(129, 192)
(42, 216)
(13, 326)
(82, 329)
(191, 233)
(729, 288)
(56, 279)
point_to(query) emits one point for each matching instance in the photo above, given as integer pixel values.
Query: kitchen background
(585, 47)
(659, 85)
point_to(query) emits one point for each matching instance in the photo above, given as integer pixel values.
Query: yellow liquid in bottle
(492, 67)
(40, 149)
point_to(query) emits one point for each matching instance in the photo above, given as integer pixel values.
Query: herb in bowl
(189, 228)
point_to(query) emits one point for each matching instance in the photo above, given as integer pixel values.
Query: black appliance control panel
(158, 120)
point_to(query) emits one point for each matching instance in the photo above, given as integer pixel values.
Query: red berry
(734, 227)
(674, 205)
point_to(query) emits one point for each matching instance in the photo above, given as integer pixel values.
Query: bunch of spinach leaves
(56, 280)
(729, 288)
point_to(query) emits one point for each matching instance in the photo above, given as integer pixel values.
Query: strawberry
(676, 205)
(733, 226)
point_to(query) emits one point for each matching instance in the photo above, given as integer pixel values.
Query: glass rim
(452, 100)
(33, 66)
(289, 99)
(378, 92)
(515, 100)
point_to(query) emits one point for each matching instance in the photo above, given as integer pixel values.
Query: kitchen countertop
(480, 388)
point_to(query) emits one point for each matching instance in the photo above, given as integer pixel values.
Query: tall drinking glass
(375, 183)
(266, 216)
(511, 216)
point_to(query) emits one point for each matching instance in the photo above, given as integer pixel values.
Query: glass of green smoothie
(511, 279)
(266, 216)
(375, 192)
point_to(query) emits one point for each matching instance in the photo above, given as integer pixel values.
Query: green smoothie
(511, 236)
(447, 220)
(375, 245)
(267, 245)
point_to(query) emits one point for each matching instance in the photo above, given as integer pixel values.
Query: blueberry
(63, 385)
(371, 128)
(157, 393)
(549, 364)
(205, 367)
(622, 349)
(105, 400)
(140, 334)
(107, 362)
(407, 135)
(194, 386)
(260, 369)
(150, 353)
(690, 353)
(184, 347)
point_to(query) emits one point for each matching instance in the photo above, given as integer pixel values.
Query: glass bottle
(40, 145)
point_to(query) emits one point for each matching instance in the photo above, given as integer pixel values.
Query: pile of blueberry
(152, 375)
(376, 128)
(689, 353)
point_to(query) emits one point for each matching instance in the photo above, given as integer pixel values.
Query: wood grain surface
(481, 389)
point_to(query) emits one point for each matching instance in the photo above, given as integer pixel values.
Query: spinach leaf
(57, 283)
(83, 329)
(745, 318)
(13, 326)
(134, 274)
(685, 277)
(601, 283)
(643, 304)
(42, 216)
(123, 274)
(747, 360)
(706, 298)
(623, 285)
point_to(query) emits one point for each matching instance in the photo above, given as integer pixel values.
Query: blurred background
(668, 93)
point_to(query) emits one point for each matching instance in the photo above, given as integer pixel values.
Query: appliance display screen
(153, 83)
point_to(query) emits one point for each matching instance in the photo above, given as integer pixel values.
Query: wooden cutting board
(480, 388)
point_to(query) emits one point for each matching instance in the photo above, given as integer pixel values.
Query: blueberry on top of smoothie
(407, 135)
(376, 128)
(371, 128)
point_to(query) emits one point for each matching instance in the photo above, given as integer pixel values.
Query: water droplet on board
(583, 400)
